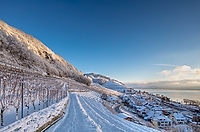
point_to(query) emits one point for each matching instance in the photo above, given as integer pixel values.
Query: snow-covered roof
(179, 116)
(167, 109)
(148, 106)
(153, 114)
(189, 116)
(157, 108)
(162, 118)
(141, 108)
(112, 98)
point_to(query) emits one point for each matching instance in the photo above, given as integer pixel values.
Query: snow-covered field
(85, 113)
(35, 120)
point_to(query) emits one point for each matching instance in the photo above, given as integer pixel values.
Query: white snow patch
(37, 119)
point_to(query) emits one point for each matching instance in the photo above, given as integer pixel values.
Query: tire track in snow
(94, 112)
(90, 119)
(103, 125)
(134, 127)
(87, 114)
(72, 122)
(75, 120)
(74, 117)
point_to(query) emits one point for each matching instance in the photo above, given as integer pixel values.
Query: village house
(148, 105)
(196, 119)
(155, 111)
(178, 118)
(142, 111)
(104, 96)
(140, 102)
(189, 118)
(162, 121)
(157, 108)
(152, 113)
(124, 97)
(129, 91)
(112, 99)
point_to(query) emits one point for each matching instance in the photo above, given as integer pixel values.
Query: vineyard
(21, 90)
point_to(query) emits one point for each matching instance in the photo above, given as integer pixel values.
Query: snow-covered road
(86, 113)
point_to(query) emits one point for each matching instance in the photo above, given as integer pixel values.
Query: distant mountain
(22, 50)
(106, 82)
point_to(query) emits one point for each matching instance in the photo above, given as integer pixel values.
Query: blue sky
(127, 40)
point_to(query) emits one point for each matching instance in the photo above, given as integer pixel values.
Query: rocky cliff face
(22, 50)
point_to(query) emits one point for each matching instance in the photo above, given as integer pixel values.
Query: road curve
(85, 113)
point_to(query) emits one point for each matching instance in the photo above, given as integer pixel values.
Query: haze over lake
(175, 94)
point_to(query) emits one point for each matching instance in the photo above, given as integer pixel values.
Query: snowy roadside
(100, 89)
(36, 120)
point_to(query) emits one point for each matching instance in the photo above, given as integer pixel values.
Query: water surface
(176, 95)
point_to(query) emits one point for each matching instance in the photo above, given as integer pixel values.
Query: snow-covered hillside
(22, 50)
(107, 82)
(86, 113)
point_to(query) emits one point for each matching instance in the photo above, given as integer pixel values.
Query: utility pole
(65, 90)
(57, 95)
(68, 86)
(47, 97)
(0, 82)
(22, 98)
(61, 93)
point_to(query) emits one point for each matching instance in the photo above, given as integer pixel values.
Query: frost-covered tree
(17, 102)
(3, 100)
(27, 97)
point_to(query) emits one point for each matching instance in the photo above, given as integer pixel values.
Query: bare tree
(27, 97)
(32, 95)
(3, 101)
(17, 102)
(185, 101)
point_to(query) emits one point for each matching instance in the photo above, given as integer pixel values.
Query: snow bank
(36, 120)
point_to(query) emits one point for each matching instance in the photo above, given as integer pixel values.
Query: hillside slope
(22, 50)
(106, 82)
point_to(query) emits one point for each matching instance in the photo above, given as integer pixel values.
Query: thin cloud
(166, 65)
(181, 73)
(181, 84)
(179, 77)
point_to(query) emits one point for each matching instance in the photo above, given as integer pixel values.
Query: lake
(175, 95)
